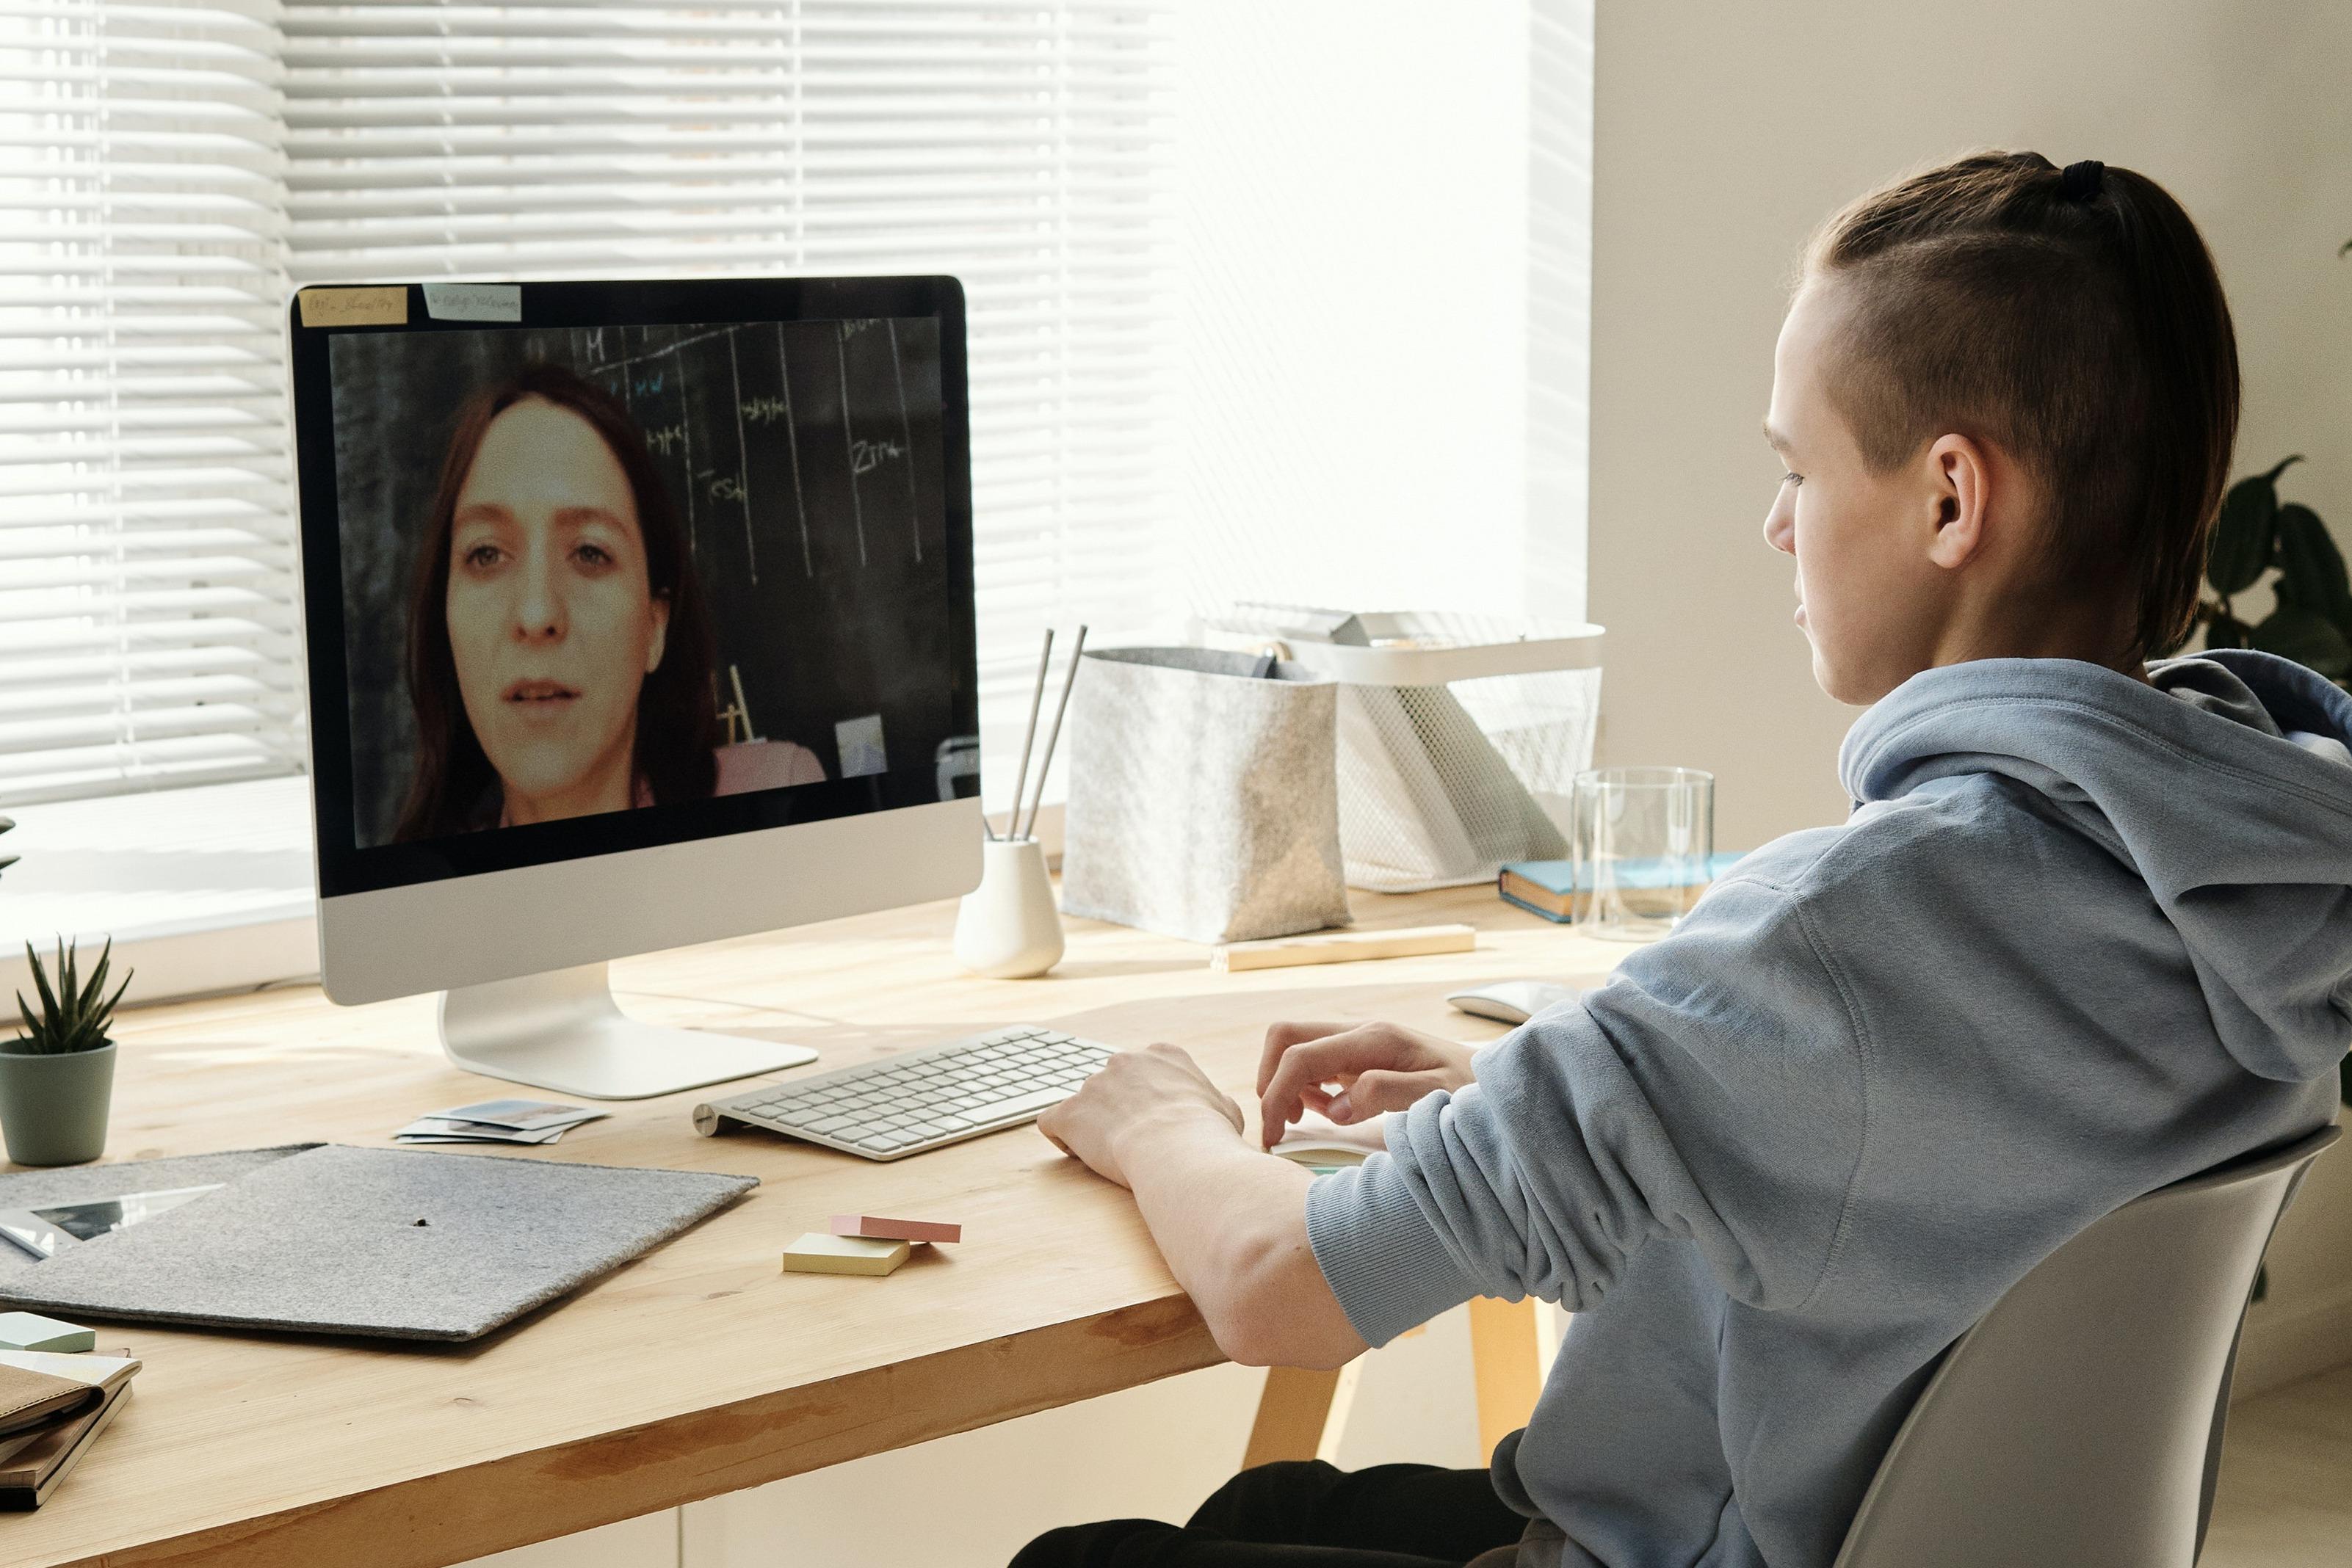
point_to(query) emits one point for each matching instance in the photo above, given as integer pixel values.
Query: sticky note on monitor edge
(884, 1229)
(474, 301)
(379, 306)
(30, 1331)
(819, 1252)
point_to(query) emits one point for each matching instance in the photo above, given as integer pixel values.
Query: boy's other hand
(1133, 1092)
(1376, 1067)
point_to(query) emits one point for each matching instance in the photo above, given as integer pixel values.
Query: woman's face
(553, 625)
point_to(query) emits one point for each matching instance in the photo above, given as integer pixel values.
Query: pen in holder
(1007, 928)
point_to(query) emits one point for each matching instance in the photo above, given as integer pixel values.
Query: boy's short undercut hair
(2073, 318)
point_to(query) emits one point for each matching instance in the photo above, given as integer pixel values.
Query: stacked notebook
(1549, 887)
(53, 1405)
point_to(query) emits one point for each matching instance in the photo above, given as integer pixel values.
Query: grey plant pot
(52, 1108)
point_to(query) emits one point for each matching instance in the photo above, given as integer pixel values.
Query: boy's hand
(1135, 1093)
(1377, 1066)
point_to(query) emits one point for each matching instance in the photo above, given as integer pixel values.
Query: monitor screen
(616, 582)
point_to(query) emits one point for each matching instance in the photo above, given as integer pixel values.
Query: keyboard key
(1037, 1101)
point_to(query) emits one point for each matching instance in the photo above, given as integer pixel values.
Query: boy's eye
(1792, 478)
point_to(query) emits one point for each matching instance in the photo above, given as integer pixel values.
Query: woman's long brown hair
(677, 727)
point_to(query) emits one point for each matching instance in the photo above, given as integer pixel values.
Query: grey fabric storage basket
(1205, 801)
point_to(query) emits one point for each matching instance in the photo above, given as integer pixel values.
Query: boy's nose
(1781, 525)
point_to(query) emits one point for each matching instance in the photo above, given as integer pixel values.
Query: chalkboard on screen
(805, 459)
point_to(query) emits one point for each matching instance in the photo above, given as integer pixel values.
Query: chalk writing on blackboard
(906, 429)
(792, 444)
(743, 456)
(848, 444)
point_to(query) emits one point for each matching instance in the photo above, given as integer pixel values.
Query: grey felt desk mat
(324, 1238)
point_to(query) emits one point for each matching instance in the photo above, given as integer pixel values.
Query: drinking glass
(1642, 839)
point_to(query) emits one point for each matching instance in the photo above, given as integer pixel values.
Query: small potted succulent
(57, 1079)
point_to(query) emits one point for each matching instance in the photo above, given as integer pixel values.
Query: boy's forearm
(1232, 1223)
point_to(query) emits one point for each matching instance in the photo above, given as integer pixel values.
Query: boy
(2088, 931)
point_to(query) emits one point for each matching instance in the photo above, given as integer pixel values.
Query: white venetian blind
(1017, 147)
(147, 628)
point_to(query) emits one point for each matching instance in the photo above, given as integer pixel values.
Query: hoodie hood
(2241, 828)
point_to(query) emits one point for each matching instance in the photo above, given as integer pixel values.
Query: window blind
(147, 628)
(1019, 148)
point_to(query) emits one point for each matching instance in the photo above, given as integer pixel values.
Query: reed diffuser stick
(1055, 733)
(1013, 821)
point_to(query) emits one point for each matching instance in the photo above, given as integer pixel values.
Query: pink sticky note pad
(876, 1226)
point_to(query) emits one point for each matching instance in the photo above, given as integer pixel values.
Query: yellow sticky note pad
(819, 1253)
(378, 307)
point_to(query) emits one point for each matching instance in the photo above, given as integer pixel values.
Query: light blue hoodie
(2081, 937)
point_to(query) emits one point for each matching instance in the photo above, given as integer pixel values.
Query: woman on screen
(559, 657)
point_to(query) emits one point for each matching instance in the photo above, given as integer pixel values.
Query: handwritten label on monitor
(474, 301)
(383, 306)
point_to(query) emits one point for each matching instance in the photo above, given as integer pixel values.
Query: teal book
(1549, 887)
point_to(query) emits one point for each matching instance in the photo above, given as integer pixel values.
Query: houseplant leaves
(2246, 532)
(2310, 562)
(2307, 637)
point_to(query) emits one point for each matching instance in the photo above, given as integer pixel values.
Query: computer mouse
(1511, 1002)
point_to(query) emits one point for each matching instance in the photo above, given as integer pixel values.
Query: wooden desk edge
(453, 1516)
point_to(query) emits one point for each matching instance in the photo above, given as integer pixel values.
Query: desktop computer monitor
(639, 615)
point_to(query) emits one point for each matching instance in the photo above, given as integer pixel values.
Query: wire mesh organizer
(1461, 735)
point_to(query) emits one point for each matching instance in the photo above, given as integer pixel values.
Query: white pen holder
(1007, 928)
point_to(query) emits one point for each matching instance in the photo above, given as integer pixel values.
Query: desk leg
(1301, 1414)
(1511, 1349)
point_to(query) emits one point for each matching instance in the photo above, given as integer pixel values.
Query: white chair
(2080, 1421)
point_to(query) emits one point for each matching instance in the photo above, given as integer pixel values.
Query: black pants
(1303, 1515)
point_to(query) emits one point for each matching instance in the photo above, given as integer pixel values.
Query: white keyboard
(913, 1101)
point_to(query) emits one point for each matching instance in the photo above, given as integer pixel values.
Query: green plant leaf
(106, 1013)
(97, 985)
(2246, 532)
(2227, 631)
(2243, 536)
(41, 983)
(2309, 561)
(2307, 637)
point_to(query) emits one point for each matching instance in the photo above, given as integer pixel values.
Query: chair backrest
(2076, 1423)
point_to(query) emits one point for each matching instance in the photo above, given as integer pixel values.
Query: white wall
(1355, 260)
(1724, 133)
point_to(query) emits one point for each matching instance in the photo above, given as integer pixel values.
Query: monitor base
(561, 1031)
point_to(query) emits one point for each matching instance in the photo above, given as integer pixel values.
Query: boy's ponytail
(2074, 317)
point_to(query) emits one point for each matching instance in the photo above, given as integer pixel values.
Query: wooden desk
(701, 1369)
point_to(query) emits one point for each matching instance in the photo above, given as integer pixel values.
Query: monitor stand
(561, 1031)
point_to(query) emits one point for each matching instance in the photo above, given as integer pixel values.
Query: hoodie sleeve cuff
(1384, 1262)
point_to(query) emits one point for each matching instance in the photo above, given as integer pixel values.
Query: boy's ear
(1960, 490)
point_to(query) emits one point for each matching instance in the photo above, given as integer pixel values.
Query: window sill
(202, 890)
